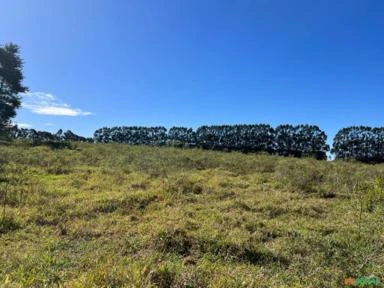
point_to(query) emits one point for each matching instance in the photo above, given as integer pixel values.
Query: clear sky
(95, 63)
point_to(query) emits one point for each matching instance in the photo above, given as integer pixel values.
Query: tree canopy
(134, 135)
(244, 138)
(362, 143)
(41, 137)
(11, 77)
(301, 140)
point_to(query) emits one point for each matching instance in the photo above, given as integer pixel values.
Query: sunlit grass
(108, 215)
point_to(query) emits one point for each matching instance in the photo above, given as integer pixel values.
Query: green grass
(105, 215)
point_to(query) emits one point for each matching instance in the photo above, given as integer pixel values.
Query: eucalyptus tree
(182, 136)
(245, 138)
(362, 143)
(134, 135)
(301, 141)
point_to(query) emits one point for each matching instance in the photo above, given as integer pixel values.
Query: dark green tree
(362, 143)
(134, 135)
(181, 137)
(301, 141)
(11, 77)
(244, 138)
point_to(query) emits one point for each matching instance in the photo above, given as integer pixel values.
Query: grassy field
(105, 215)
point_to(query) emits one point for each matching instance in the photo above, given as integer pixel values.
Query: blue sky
(95, 63)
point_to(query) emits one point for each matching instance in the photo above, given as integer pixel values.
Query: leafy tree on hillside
(132, 135)
(245, 138)
(361, 143)
(256, 138)
(285, 140)
(44, 137)
(102, 135)
(24, 134)
(69, 136)
(312, 141)
(181, 136)
(33, 135)
(11, 77)
(301, 141)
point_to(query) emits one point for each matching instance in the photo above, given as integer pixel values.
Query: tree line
(361, 143)
(357, 142)
(42, 137)
(287, 140)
